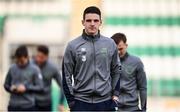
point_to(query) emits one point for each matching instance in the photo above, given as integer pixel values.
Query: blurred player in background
(22, 81)
(92, 60)
(49, 72)
(133, 81)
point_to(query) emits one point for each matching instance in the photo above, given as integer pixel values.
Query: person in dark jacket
(92, 60)
(22, 81)
(49, 72)
(133, 81)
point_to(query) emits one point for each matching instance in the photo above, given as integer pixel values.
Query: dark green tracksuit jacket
(95, 66)
(133, 84)
(49, 72)
(28, 75)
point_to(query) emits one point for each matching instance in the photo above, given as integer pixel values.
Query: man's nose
(92, 22)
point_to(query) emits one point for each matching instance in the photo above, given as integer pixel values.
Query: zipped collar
(124, 57)
(42, 65)
(90, 37)
(24, 66)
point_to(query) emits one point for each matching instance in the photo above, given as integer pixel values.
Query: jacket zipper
(120, 84)
(94, 53)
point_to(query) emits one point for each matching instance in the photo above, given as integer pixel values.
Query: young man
(49, 72)
(22, 81)
(133, 78)
(92, 60)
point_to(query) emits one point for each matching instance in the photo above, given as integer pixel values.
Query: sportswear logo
(39, 76)
(104, 51)
(83, 57)
(128, 69)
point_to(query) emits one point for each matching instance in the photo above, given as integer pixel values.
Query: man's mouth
(92, 28)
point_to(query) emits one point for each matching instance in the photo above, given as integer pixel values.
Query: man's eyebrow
(88, 19)
(92, 20)
(96, 19)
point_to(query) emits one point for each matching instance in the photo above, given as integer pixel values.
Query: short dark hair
(21, 51)
(117, 37)
(44, 49)
(92, 9)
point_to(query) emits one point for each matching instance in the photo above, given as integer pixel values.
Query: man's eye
(96, 20)
(88, 20)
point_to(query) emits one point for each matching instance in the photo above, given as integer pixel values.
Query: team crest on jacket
(129, 69)
(83, 57)
(104, 51)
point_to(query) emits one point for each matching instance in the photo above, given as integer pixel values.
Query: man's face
(22, 61)
(122, 47)
(91, 23)
(40, 58)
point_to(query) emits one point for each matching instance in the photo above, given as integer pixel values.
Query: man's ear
(82, 21)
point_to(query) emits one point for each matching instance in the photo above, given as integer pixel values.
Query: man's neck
(91, 34)
(23, 66)
(122, 57)
(42, 64)
(90, 37)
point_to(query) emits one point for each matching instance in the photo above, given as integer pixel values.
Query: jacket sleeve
(142, 85)
(115, 71)
(7, 83)
(67, 73)
(37, 84)
(62, 98)
(57, 77)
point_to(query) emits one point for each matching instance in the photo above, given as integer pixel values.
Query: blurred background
(151, 26)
